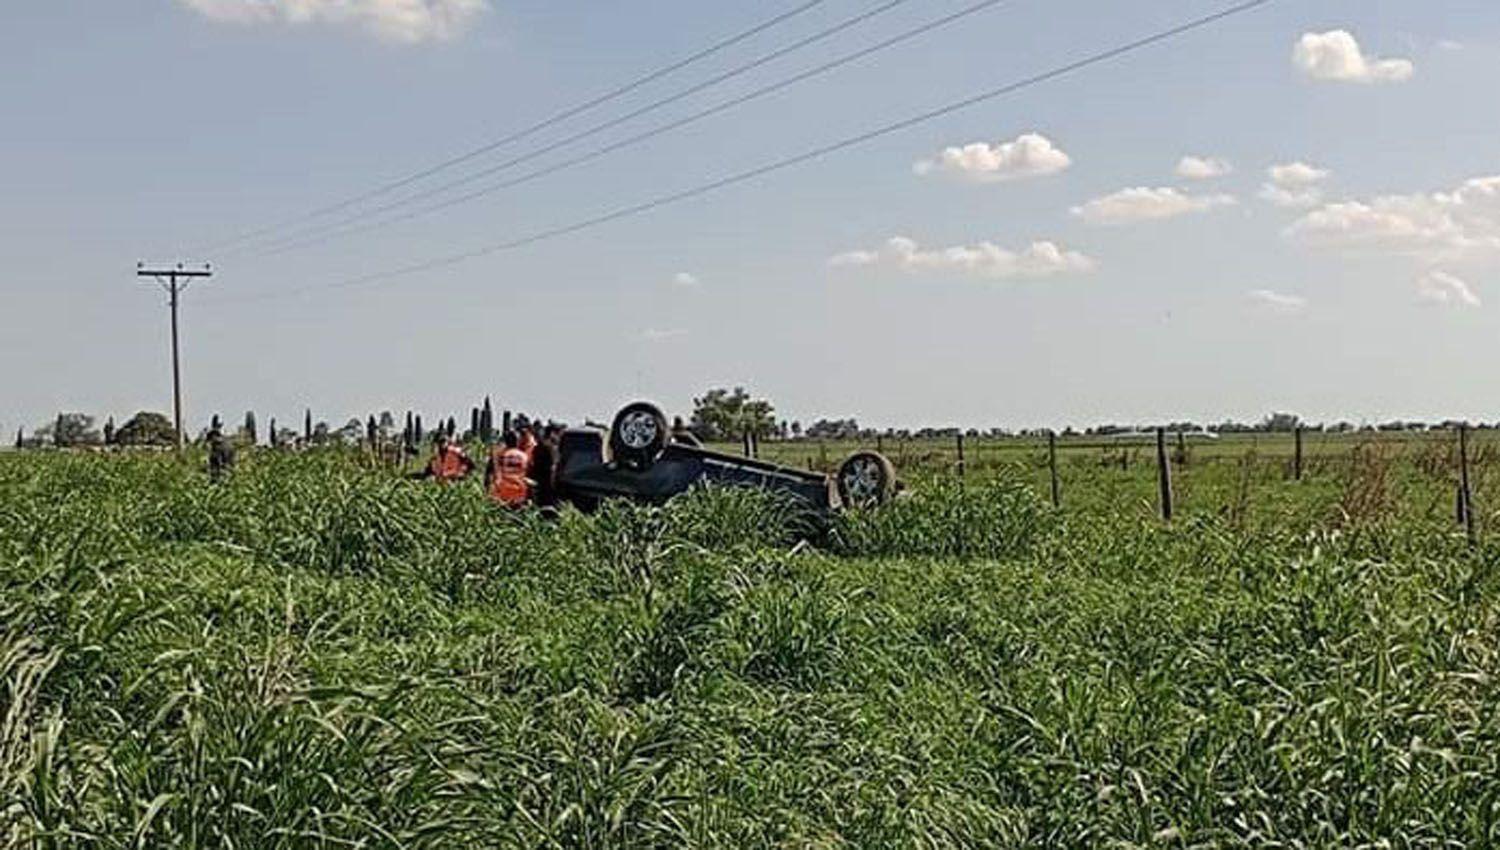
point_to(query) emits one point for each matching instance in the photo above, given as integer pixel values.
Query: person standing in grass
(544, 467)
(220, 453)
(449, 461)
(506, 475)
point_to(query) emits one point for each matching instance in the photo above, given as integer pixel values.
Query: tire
(866, 480)
(638, 435)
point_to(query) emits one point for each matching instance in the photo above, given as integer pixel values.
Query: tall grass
(315, 655)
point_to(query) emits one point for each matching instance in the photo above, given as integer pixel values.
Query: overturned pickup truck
(640, 458)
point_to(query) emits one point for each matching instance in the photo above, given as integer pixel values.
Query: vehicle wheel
(866, 479)
(638, 434)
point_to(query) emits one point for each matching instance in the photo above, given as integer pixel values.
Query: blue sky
(1054, 267)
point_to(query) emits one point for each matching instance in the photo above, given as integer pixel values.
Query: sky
(1296, 209)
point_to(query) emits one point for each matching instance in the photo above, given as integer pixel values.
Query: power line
(788, 162)
(558, 118)
(336, 231)
(822, 35)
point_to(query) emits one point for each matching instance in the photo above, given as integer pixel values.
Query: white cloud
(1450, 45)
(685, 279)
(1440, 287)
(1295, 174)
(408, 21)
(1031, 155)
(1278, 301)
(659, 335)
(1336, 56)
(1202, 168)
(1436, 227)
(987, 260)
(1141, 204)
(1294, 184)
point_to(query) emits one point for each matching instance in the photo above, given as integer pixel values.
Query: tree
(274, 437)
(418, 433)
(726, 415)
(71, 429)
(109, 431)
(20, 438)
(146, 429)
(452, 427)
(1281, 422)
(487, 422)
(372, 432)
(307, 426)
(353, 432)
(835, 429)
(249, 429)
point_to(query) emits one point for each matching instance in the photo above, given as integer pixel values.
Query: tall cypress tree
(250, 430)
(20, 438)
(307, 426)
(452, 427)
(275, 439)
(57, 432)
(109, 431)
(371, 431)
(487, 421)
(474, 421)
(417, 434)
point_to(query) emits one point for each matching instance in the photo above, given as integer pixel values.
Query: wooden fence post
(1297, 456)
(1164, 474)
(1465, 495)
(1052, 467)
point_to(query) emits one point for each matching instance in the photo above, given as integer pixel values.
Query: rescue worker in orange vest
(449, 461)
(506, 475)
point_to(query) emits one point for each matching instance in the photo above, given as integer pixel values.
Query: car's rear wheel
(866, 479)
(638, 435)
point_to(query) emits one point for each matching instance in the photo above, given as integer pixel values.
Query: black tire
(638, 435)
(866, 480)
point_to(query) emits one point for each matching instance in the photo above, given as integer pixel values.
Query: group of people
(521, 468)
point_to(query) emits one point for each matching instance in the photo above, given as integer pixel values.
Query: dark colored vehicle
(638, 458)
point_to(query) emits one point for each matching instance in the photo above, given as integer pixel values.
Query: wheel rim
(639, 430)
(862, 480)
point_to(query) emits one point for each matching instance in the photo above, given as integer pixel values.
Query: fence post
(1465, 495)
(1297, 456)
(1164, 474)
(1052, 467)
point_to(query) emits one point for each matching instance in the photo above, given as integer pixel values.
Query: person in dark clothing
(544, 459)
(220, 454)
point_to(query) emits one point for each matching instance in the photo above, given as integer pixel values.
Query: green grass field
(318, 654)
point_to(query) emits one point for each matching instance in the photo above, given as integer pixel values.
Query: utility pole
(174, 281)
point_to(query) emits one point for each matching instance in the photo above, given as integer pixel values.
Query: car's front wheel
(866, 479)
(638, 435)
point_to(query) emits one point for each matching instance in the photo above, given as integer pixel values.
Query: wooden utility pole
(174, 281)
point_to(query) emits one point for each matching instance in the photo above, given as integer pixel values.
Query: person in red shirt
(449, 461)
(506, 476)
